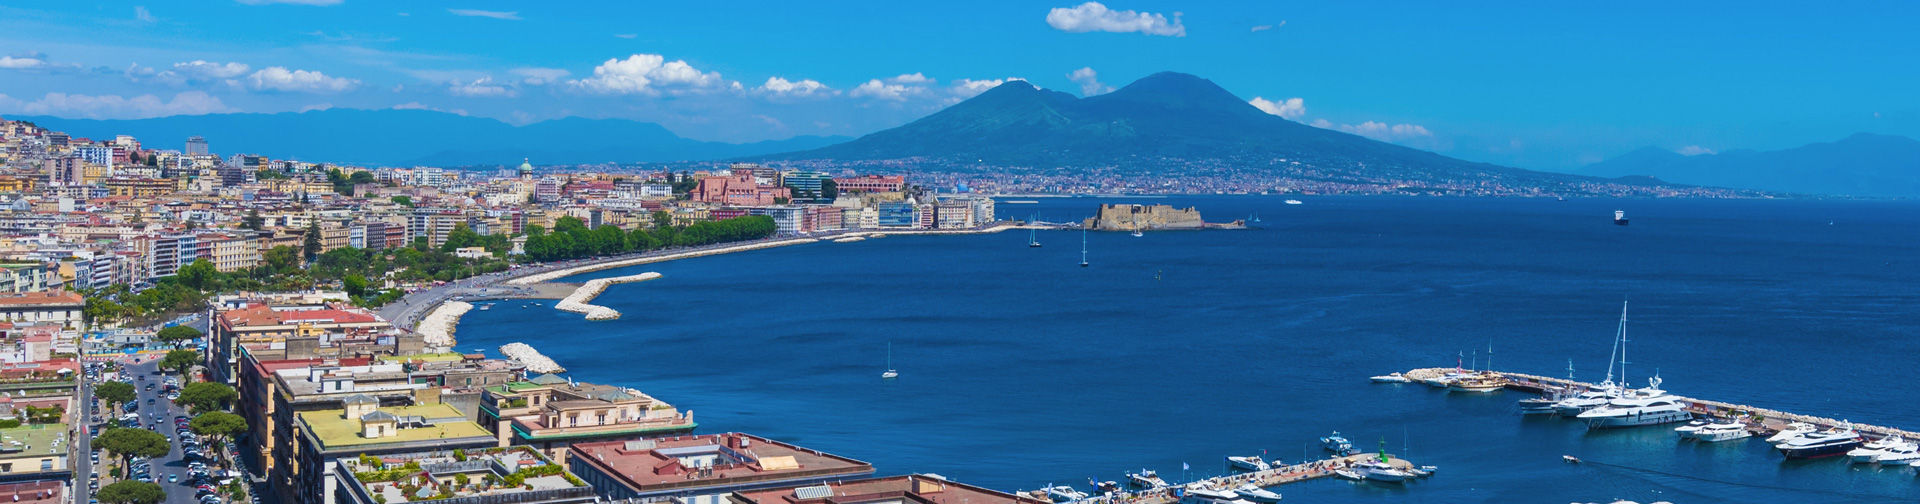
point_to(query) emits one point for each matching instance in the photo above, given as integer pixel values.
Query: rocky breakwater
(1127, 217)
(561, 273)
(577, 302)
(436, 330)
(532, 359)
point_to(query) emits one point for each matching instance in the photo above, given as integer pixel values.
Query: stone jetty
(436, 330)
(526, 355)
(577, 302)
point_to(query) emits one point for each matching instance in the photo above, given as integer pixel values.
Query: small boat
(1570, 459)
(1419, 472)
(1337, 444)
(1721, 431)
(890, 374)
(1391, 378)
(1791, 431)
(1900, 455)
(1293, 202)
(1146, 478)
(1249, 463)
(1105, 487)
(1348, 474)
(1064, 493)
(1083, 247)
(1620, 217)
(486, 307)
(1254, 493)
(1482, 383)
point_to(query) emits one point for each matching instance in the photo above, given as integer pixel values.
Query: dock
(1761, 421)
(1274, 477)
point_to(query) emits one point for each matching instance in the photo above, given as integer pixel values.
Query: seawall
(577, 302)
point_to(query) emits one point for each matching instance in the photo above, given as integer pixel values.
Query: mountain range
(1864, 164)
(422, 137)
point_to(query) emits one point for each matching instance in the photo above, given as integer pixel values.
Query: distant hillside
(422, 137)
(1864, 164)
(1163, 116)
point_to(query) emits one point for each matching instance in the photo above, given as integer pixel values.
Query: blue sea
(1020, 369)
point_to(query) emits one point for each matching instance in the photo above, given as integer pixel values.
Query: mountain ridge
(1862, 164)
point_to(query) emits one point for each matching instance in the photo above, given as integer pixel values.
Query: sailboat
(1083, 247)
(890, 374)
(1136, 227)
(1033, 235)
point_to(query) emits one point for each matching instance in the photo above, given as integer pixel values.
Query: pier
(1278, 476)
(1761, 421)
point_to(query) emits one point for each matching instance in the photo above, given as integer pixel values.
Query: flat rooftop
(664, 464)
(335, 431)
(925, 489)
(441, 466)
(33, 441)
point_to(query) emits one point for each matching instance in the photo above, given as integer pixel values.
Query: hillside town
(185, 326)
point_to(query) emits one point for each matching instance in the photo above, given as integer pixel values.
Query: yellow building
(236, 252)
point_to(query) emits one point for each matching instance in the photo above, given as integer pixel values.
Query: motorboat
(1480, 383)
(1649, 406)
(1252, 492)
(1791, 431)
(1105, 487)
(1391, 378)
(1146, 478)
(1820, 444)
(1581, 402)
(1870, 452)
(1381, 471)
(1064, 493)
(1537, 406)
(1249, 463)
(1348, 474)
(1901, 455)
(1200, 494)
(1690, 430)
(1293, 202)
(1337, 444)
(1721, 431)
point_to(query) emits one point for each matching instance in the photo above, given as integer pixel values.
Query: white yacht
(1198, 494)
(1721, 431)
(1382, 471)
(1336, 443)
(1249, 463)
(1871, 451)
(1064, 493)
(1648, 406)
(1293, 202)
(1791, 431)
(1903, 455)
(1821, 444)
(1581, 402)
(1254, 493)
(1391, 378)
(1146, 478)
(1691, 429)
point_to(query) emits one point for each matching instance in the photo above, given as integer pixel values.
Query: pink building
(871, 183)
(738, 189)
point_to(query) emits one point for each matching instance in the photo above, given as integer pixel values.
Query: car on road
(173, 478)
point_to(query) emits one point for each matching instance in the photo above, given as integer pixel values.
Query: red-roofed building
(272, 333)
(739, 189)
(38, 492)
(871, 183)
(909, 489)
(62, 307)
(712, 464)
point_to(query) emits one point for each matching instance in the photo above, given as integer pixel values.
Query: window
(573, 420)
(6, 468)
(46, 464)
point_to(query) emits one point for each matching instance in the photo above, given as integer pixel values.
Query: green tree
(177, 333)
(206, 396)
(180, 361)
(114, 393)
(311, 248)
(461, 237)
(361, 177)
(282, 258)
(662, 219)
(200, 275)
(132, 492)
(127, 442)
(219, 426)
(405, 201)
(568, 224)
(829, 189)
(356, 285)
(253, 220)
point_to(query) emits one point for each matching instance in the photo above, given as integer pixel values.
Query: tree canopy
(206, 396)
(180, 361)
(114, 392)
(128, 442)
(177, 333)
(132, 492)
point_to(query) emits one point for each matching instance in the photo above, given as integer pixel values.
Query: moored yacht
(1146, 478)
(1870, 452)
(1820, 444)
(1648, 406)
(1249, 463)
(1901, 455)
(1200, 494)
(1391, 378)
(1064, 493)
(1105, 487)
(1480, 383)
(1381, 471)
(1337, 444)
(1581, 402)
(1254, 493)
(1537, 405)
(1791, 431)
(1690, 430)
(1721, 431)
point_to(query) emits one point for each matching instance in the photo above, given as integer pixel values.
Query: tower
(526, 169)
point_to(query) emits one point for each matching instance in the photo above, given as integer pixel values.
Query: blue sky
(1540, 85)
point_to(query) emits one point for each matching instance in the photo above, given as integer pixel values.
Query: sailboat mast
(1623, 345)
(1615, 355)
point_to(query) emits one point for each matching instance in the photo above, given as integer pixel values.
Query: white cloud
(535, 76)
(1092, 16)
(1089, 82)
(21, 63)
(141, 14)
(1266, 27)
(316, 106)
(510, 16)
(883, 91)
(1379, 130)
(967, 88)
(291, 2)
(410, 106)
(481, 88)
(647, 74)
(1695, 150)
(210, 70)
(777, 86)
(1290, 108)
(282, 79)
(115, 106)
(912, 78)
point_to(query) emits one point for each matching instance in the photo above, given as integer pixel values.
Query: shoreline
(563, 273)
(436, 330)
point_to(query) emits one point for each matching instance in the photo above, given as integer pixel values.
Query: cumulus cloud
(1092, 16)
(647, 74)
(877, 89)
(21, 63)
(1089, 82)
(777, 86)
(210, 70)
(912, 78)
(479, 88)
(535, 76)
(967, 88)
(510, 16)
(1695, 150)
(305, 81)
(115, 106)
(1379, 130)
(1290, 108)
(292, 2)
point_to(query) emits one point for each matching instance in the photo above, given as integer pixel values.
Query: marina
(1147, 487)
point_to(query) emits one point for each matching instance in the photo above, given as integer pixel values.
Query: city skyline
(1528, 86)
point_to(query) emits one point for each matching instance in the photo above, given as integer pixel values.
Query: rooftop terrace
(665, 464)
(492, 476)
(442, 422)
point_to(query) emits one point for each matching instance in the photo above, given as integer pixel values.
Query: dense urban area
(272, 313)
